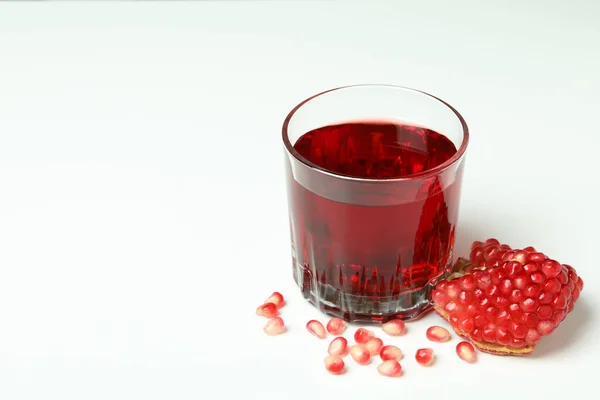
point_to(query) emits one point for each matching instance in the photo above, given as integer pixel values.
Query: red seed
(277, 299)
(440, 297)
(390, 352)
(360, 354)
(438, 334)
(551, 268)
(362, 335)
(452, 289)
(537, 277)
(374, 346)
(466, 352)
(533, 336)
(390, 368)
(336, 326)
(274, 326)
(316, 328)
(395, 327)
(268, 310)
(335, 365)
(467, 283)
(338, 347)
(424, 356)
(545, 328)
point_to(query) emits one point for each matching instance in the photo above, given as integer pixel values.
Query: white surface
(142, 202)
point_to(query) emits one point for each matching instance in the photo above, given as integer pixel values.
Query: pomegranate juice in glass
(373, 178)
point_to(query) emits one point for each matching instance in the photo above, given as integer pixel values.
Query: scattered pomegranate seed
(277, 299)
(389, 368)
(390, 352)
(362, 335)
(374, 346)
(438, 334)
(338, 347)
(424, 356)
(395, 327)
(336, 326)
(335, 365)
(360, 354)
(316, 328)
(466, 352)
(268, 310)
(275, 326)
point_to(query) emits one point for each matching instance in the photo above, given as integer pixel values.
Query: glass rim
(423, 174)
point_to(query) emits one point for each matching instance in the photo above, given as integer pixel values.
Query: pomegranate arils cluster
(508, 299)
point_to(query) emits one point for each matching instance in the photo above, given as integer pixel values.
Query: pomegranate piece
(277, 299)
(360, 354)
(336, 326)
(362, 335)
(334, 365)
(316, 328)
(390, 368)
(338, 347)
(374, 346)
(424, 356)
(267, 310)
(518, 297)
(390, 352)
(438, 334)
(466, 352)
(274, 326)
(395, 327)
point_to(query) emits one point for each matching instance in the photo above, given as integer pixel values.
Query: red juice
(366, 244)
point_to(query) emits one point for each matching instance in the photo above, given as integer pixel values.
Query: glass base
(408, 306)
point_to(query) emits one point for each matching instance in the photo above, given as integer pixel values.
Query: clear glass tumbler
(371, 246)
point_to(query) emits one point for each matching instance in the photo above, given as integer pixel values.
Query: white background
(142, 200)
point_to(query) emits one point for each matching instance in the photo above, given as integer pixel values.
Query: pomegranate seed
(360, 355)
(424, 356)
(268, 310)
(335, 365)
(537, 277)
(275, 326)
(338, 347)
(362, 335)
(452, 289)
(467, 283)
(545, 328)
(277, 299)
(528, 305)
(390, 368)
(390, 352)
(336, 326)
(438, 334)
(466, 352)
(316, 328)
(374, 346)
(395, 327)
(533, 336)
(551, 268)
